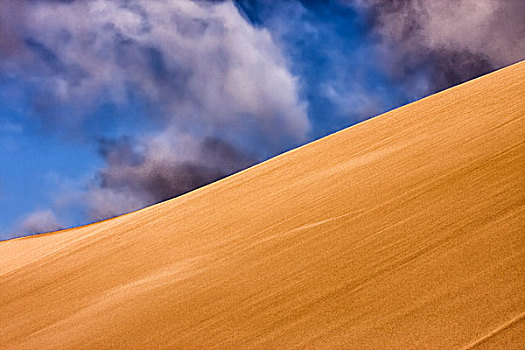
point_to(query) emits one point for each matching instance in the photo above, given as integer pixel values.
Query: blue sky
(107, 106)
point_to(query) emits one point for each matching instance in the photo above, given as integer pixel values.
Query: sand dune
(405, 231)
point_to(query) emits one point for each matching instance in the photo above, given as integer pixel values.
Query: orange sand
(405, 231)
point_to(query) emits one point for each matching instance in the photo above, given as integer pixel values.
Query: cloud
(214, 89)
(337, 65)
(39, 221)
(139, 174)
(197, 63)
(449, 41)
(176, 94)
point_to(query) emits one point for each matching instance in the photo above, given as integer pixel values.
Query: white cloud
(204, 63)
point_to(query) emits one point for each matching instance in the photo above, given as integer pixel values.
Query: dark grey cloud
(447, 41)
(141, 174)
(453, 67)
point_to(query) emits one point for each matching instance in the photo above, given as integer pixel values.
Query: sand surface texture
(404, 232)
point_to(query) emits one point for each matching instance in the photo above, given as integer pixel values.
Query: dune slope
(405, 231)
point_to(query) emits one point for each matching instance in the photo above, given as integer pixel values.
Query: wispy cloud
(39, 221)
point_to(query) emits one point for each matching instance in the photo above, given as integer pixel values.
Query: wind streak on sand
(498, 330)
(404, 232)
